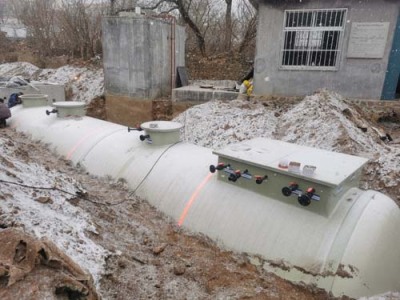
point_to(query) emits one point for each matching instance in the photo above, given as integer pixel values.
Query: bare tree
(184, 8)
(212, 23)
(121, 5)
(112, 7)
(38, 16)
(247, 18)
(3, 7)
(228, 26)
(79, 25)
(71, 27)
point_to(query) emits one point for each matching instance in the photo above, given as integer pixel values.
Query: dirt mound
(323, 121)
(37, 269)
(217, 67)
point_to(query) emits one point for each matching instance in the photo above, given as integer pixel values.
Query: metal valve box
(282, 164)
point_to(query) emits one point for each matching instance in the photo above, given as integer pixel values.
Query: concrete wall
(355, 77)
(137, 56)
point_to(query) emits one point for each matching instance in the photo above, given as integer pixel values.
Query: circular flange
(69, 104)
(161, 126)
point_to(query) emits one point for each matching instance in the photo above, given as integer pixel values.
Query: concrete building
(351, 47)
(140, 58)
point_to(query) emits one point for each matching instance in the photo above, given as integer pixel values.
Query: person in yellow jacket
(249, 86)
(246, 87)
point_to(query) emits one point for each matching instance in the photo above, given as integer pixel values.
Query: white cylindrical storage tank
(350, 247)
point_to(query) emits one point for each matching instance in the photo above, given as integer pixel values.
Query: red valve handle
(311, 190)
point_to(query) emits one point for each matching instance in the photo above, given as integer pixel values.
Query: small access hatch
(68, 109)
(161, 132)
(34, 100)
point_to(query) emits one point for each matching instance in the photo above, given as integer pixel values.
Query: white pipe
(355, 251)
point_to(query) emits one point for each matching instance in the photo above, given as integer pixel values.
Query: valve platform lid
(331, 168)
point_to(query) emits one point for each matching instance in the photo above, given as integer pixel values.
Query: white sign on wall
(368, 40)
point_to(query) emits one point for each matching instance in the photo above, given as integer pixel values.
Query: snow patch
(58, 220)
(85, 83)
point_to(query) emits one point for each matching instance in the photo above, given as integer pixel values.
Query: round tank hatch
(34, 100)
(70, 108)
(161, 126)
(161, 132)
(69, 104)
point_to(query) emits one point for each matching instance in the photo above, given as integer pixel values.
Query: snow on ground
(386, 296)
(56, 219)
(216, 124)
(86, 83)
(18, 69)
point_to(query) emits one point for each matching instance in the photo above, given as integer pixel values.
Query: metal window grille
(313, 39)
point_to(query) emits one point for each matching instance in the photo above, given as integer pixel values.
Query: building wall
(355, 77)
(137, 56)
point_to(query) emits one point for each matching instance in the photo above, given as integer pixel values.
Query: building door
(391, 87)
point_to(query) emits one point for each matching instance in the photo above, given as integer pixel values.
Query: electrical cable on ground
(76, 194)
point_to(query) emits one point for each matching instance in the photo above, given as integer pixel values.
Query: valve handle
(212, 168)
(310, 190)
(218, 167)
(286, 191)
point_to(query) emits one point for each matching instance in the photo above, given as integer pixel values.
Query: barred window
(313, 39)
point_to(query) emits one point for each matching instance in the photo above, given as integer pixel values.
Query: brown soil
(36, 269)
(218, 67)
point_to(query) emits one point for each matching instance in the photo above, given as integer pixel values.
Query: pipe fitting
(305, 199)
(234, 176)
(53, 111)
(260, 179)
(219, 167)
(246, 174)
(144, 137)
(135, 129)
(288, 190)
